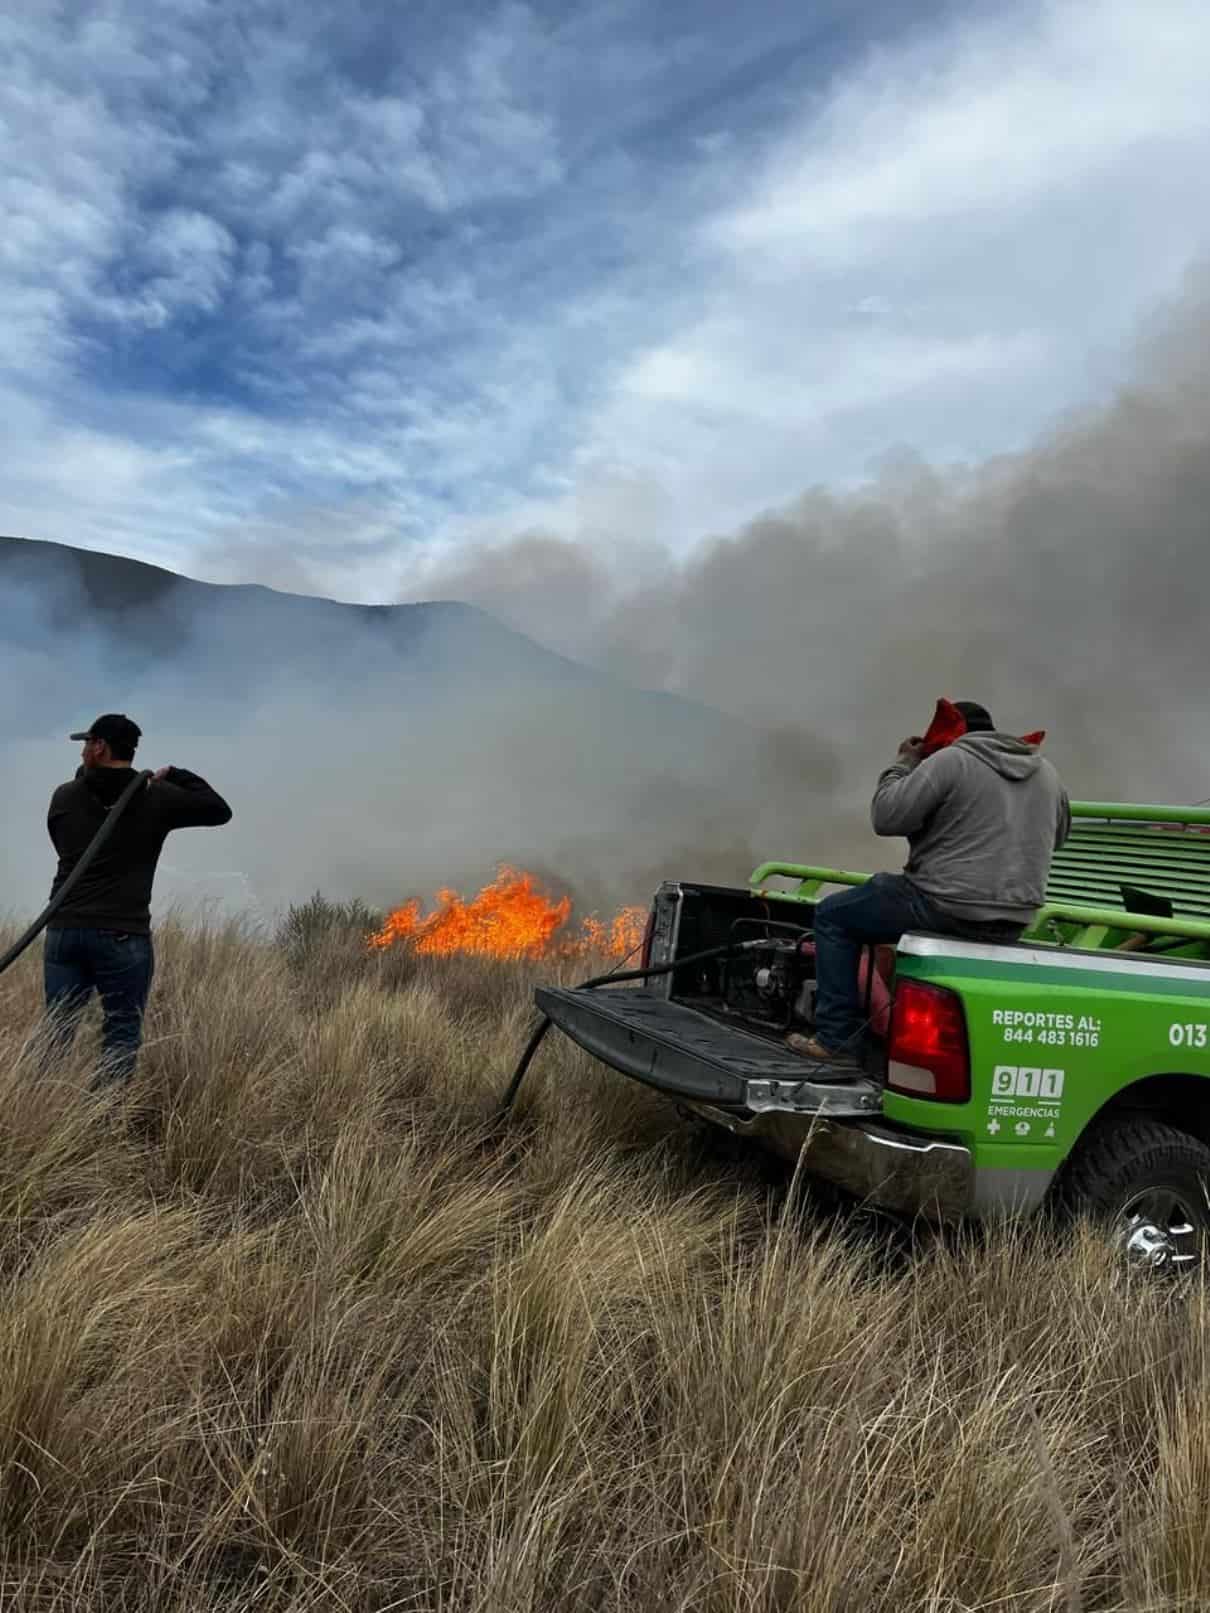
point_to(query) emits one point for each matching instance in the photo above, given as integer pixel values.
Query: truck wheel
(1150, 1183)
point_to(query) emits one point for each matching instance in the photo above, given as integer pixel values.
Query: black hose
(77, 873)
(531, 1047)
(649, 973)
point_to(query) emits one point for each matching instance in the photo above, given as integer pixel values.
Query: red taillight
(648, 937)
(929, 1056)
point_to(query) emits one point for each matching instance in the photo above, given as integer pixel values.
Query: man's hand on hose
(911, 750)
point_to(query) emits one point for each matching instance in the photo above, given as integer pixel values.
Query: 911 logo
(1027, 1081)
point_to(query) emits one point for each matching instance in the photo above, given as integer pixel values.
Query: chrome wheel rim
(1158, 1231)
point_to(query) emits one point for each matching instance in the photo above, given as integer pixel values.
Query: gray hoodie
(983, 818)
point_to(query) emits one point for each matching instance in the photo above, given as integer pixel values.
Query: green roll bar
(1057, 923)
(1128, 812)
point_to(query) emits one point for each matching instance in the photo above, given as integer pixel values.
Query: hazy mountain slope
(366, 749)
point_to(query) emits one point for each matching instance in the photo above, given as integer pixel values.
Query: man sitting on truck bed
(983, 818)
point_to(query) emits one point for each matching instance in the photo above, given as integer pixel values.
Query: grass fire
(511, 919)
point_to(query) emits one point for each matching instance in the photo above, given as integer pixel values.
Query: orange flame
(510, 919)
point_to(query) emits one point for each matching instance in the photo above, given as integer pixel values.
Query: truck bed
(687, 1053)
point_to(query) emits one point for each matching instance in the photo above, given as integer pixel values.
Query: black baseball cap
(117, 731)
(978, 718)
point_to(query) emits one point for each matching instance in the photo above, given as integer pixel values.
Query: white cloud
(1021, 188)
(872, 308)
(260, 223)
(187, 262)
(477, 281)
(1003, 116)
(820, 376)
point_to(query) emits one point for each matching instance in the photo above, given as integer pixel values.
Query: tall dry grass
(292, 1325)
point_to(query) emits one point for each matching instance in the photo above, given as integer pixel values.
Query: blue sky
(331, 295)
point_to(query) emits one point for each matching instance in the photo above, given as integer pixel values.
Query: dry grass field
(293, 1324)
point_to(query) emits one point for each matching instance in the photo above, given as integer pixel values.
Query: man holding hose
(100, 939)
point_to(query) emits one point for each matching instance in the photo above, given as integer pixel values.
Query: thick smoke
(1065, 587)
(366, 752)
(383, 754)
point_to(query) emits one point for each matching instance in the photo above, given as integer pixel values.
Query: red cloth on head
(949, 724)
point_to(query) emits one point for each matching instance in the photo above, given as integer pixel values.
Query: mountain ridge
(113, 583)
(371, 750)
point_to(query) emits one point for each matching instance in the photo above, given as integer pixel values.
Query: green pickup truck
(1070, 1069)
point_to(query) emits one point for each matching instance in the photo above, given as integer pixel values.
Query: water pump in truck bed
(770, 985)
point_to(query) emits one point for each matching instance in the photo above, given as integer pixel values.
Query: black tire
(1150, 1183)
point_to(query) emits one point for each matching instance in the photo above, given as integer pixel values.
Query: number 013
(1188, 1035)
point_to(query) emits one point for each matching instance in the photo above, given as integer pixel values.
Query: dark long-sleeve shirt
(115, 892)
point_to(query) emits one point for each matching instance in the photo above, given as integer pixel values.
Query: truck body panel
(1102, 1007)
(686, 1054)
(1056, 1035)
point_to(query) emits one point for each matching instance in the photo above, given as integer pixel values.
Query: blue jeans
(119, 967)
(874, 914)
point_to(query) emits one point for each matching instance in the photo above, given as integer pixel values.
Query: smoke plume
(382, 754)
(366, 751)
(1065, 587)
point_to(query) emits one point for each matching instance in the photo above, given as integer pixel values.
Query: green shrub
(320, 921)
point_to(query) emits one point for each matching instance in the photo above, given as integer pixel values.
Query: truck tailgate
(680, 1051)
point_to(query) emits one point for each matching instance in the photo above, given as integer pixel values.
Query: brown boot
(809, 1048)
